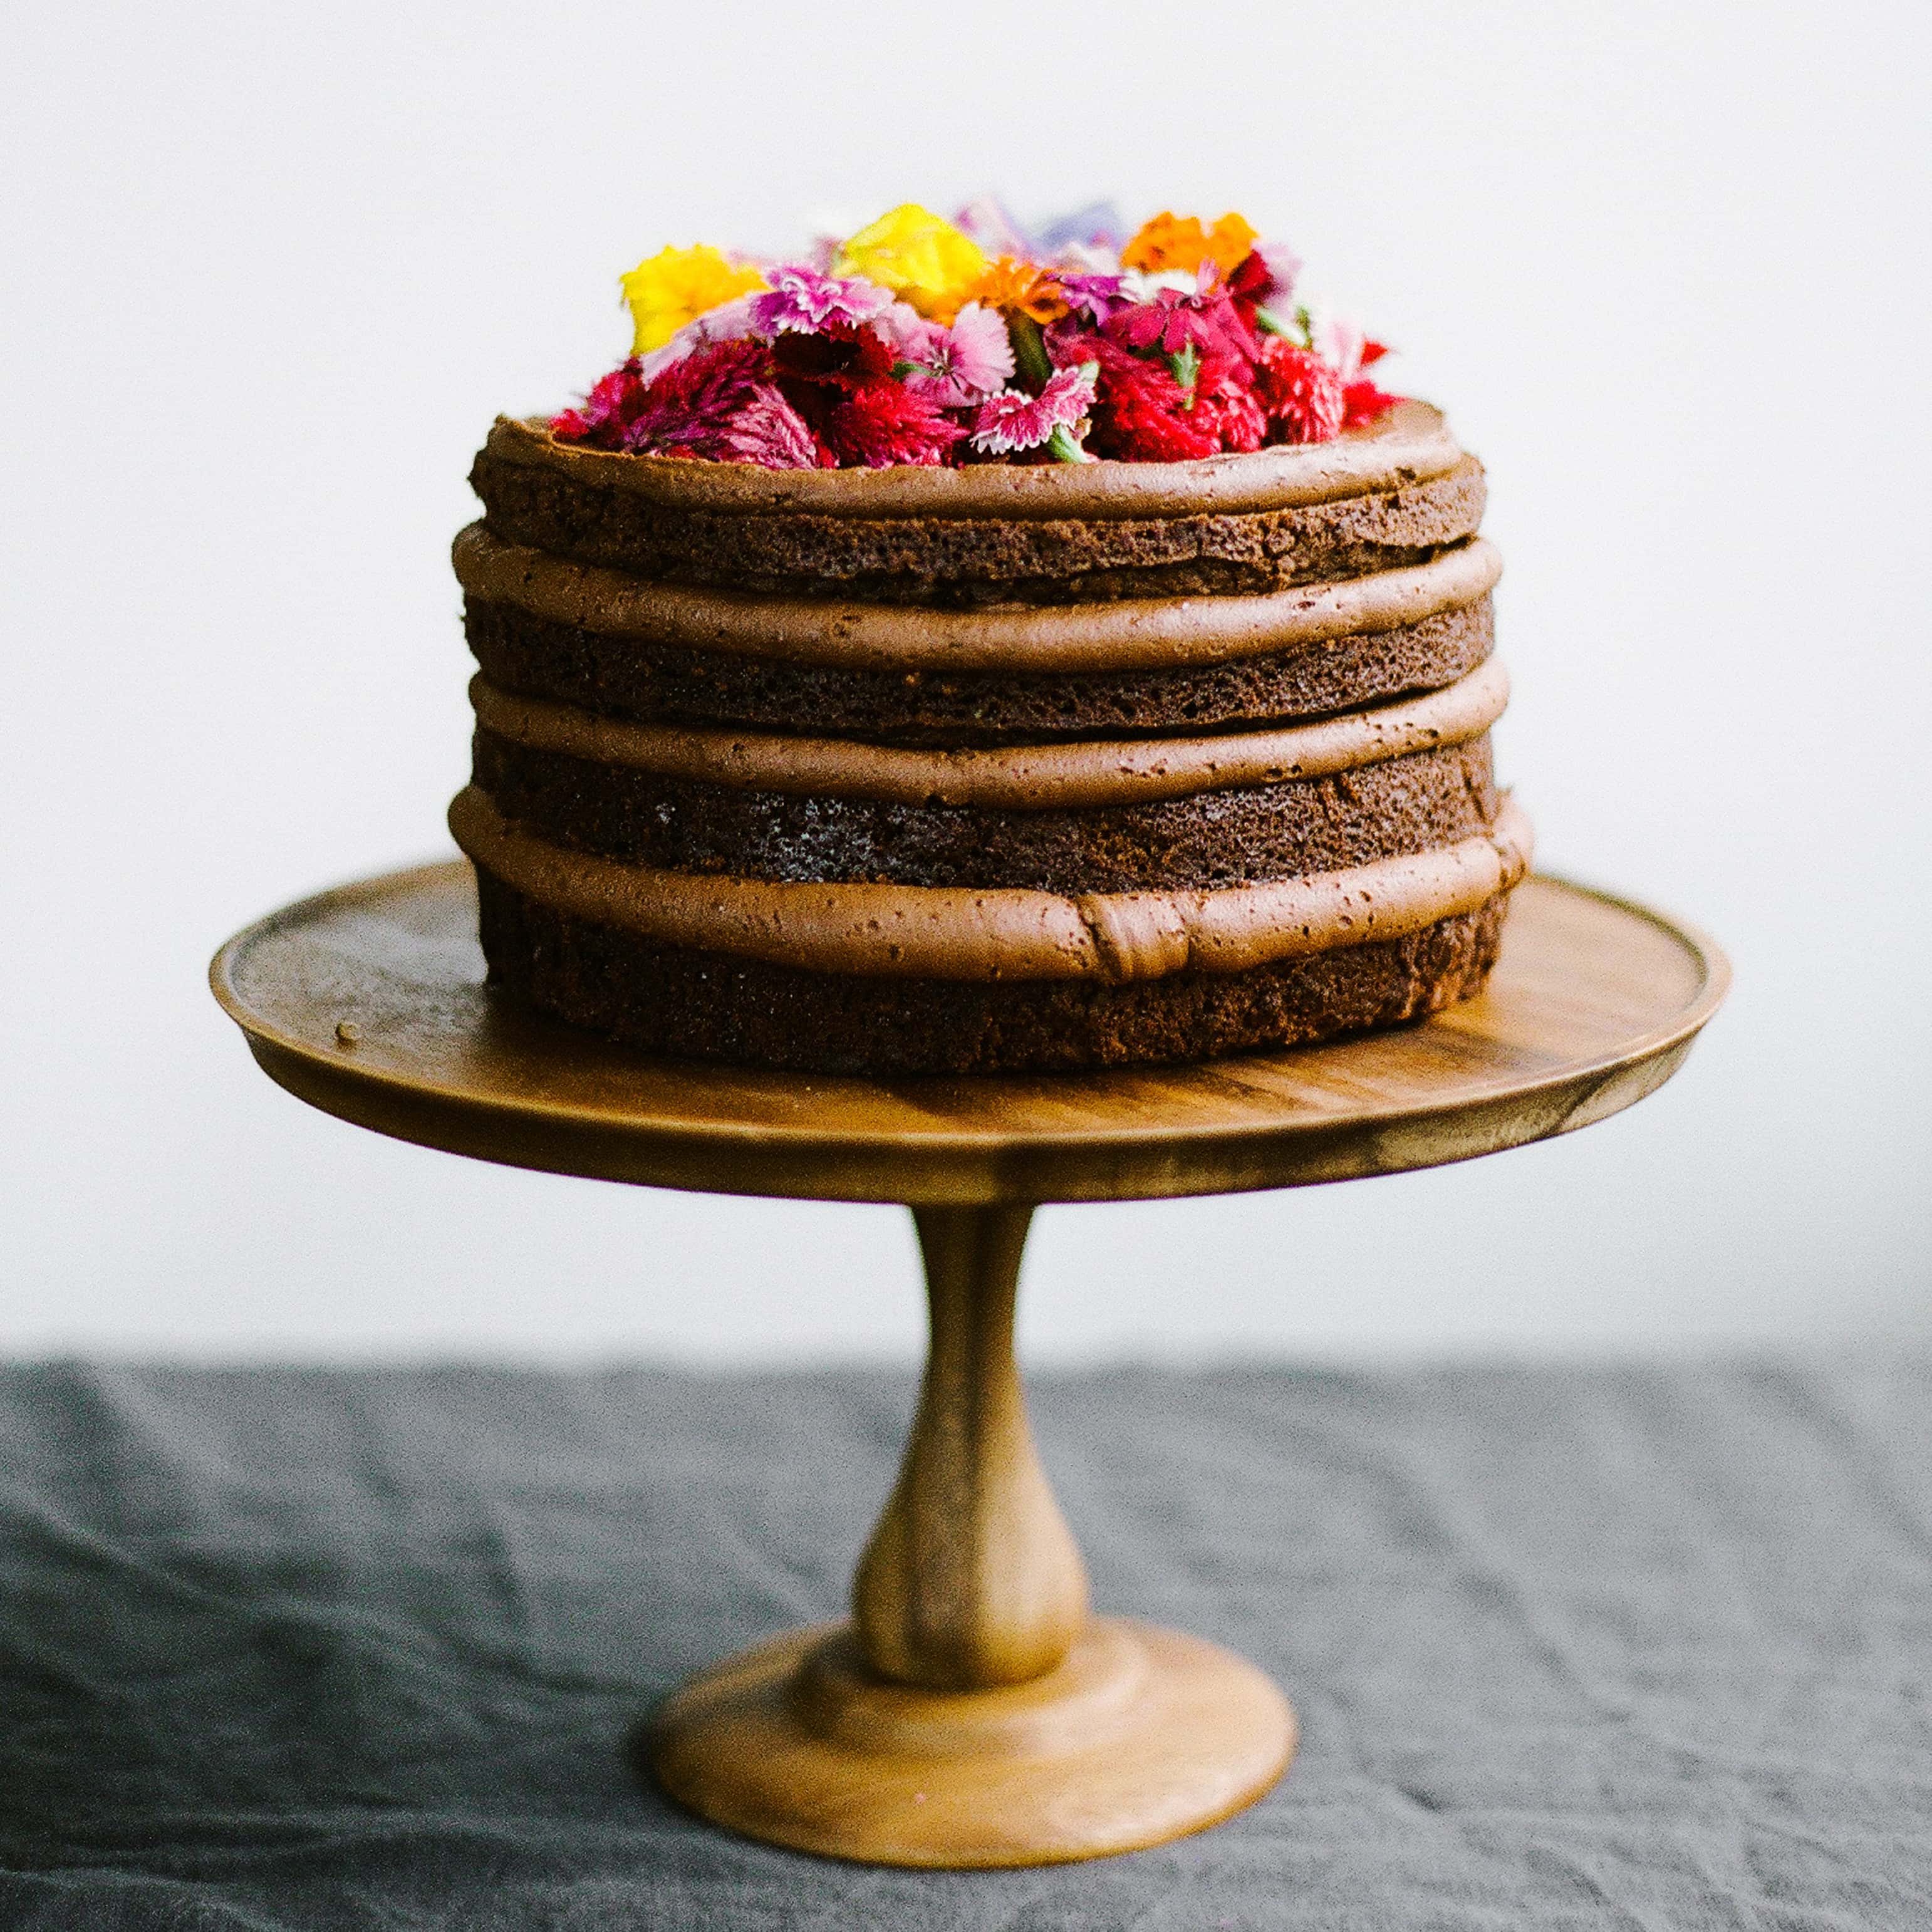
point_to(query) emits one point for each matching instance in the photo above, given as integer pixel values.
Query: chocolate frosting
(1019, 778)
(960, 934)
(1408, 443)
(1156, 632)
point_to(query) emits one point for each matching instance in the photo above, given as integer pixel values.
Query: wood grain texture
(972, 1578)
(1594, 1005)
(1139, 1736)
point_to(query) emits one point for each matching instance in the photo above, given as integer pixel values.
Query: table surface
(1593, 1004)
(289, 1651)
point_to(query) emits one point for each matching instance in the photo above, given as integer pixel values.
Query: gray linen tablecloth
(1571, 1648)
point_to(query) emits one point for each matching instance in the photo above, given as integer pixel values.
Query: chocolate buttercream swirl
(1408, 444)
(1158, 632)
(959, 934)
(1053, 777)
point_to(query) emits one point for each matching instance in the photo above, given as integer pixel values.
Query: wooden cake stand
(972, 1713)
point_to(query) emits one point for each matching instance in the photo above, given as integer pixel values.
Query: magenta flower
(1014, 421)
(954, 366)
(1093, 297)
(719, 402)
(804, 300)
(1170, 320)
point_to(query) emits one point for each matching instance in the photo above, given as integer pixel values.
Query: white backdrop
(270, 271)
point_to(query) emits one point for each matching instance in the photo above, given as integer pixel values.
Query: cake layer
(1196, 813)
(609, 643)
(705, 1005)
(953, 933)
(989, 534)
(1214, 838)
(1021, 777)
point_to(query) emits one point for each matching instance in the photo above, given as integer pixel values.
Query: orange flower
(1173, 242)
(1018, 287)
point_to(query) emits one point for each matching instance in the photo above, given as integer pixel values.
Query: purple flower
(1093, 297)
(1014, 420)
(1099, 223)
(957, 366)
(804, 300)
(987, 220)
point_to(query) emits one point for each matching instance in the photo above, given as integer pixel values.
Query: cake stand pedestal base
(973, 1713)
(1139, 1735)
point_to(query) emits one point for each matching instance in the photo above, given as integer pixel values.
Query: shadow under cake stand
(972, 1713)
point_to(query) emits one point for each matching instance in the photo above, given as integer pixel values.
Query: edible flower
(1021, 288)
(719, 402)
(803, 300)
(1172, 320)
(1014, 420)
(1093, 297)
(1176, 242)
(676, 286)
(884, 423)
(919, 256)
(918, 341)
(953, 367)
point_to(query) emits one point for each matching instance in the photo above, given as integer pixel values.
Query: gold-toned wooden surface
(1139, 1735)
(972, 1578)
(369, 1002)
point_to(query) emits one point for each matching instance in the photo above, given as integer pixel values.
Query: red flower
(1250, 282)
(1225, 406)
(1140, 413)
(835, 357)
(1301, 393)
(1363, 402)
(883, 422)
(608, 411)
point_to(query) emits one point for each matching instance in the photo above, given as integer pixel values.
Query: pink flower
(957, 366)
(804, 300)
(1014, 421)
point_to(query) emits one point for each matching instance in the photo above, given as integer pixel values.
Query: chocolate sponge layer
(1213, 839)
(961, 562)
(703, 1006)
(637, 677)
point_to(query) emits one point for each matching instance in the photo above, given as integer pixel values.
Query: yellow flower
(925, 261)
(1171, 242)
(677, 285)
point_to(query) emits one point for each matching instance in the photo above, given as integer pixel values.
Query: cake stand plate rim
(1250, 1142)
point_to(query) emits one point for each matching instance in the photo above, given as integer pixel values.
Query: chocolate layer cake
(997, 767)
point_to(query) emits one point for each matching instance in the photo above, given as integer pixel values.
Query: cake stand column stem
(972, 1578)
